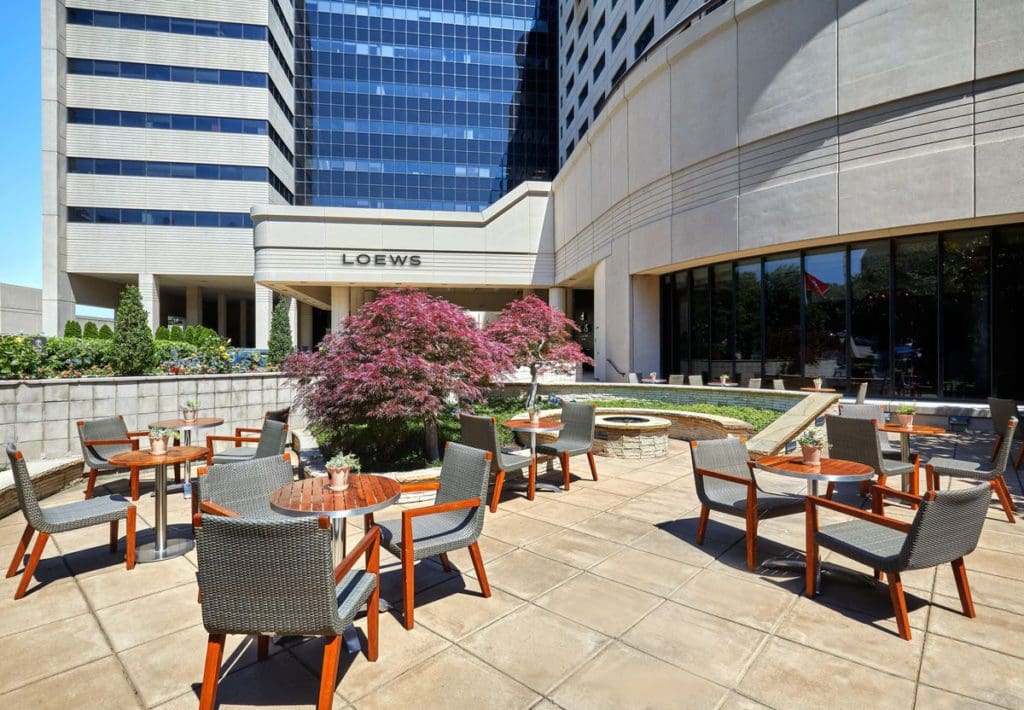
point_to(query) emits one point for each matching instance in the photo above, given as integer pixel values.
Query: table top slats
(144, 457)
(365, 493)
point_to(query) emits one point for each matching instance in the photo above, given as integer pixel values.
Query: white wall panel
(167, 97)
(166, 193)
(86, 42)
(119, 249)
(253, 12)
(173, 146)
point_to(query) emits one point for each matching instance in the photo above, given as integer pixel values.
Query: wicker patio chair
(778, 384)
(482, 433)
(453, 522)
(102, 438)
(576, 438)
(754, 383)
(273, 436)
(726, 484)
(862, 393)
(946, 529)
(875, 413)
(994, 477)
(631, 378)
(1003, 411)
(62, 518)
(677, 379)
(854, 439)
(695, 380)
(275, 577)
(241, 489)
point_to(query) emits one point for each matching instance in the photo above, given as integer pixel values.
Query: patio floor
(601, 599)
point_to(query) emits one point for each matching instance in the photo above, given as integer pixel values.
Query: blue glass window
(176, 218)
(643, 40)
(620, 31)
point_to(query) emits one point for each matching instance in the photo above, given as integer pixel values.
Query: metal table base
(161, 548)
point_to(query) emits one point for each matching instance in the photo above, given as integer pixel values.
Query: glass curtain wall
(917, 317)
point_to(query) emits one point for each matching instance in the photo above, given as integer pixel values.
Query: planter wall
(40, 415)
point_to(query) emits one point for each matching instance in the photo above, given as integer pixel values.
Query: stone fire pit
(631, 436)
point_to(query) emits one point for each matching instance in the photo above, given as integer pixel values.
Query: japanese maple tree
(538, 337)
(402, 355)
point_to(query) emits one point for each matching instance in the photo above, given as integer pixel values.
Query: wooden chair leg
(408, 589)
(702, 526)
(194, 500)
(211, 671)
(30, 568)
(564, 456)
(593, 464)
(373, 624)
(445, 562)
(962, 587)
(19, 551)
(930, 482)
(1004, 498)
(90, 485)
(899, 603)
(499, 484)
(531, 490)
(129, 541)
(915, 481)
(262, 647)
(1006, 490)
(752, 540)
(329, 672)
(177, 473)
(113, 535)
(478, 565)
(830, 490)
(811, 556)
(133, 479)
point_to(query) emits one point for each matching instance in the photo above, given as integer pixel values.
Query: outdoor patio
(601, 599)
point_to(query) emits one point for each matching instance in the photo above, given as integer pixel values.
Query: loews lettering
(379, 260)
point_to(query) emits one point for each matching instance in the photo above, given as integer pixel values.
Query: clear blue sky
(19, 145)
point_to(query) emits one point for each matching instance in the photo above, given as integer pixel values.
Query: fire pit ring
(631, 436)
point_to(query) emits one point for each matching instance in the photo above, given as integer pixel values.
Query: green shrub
(170, 351)
(177, 334)
(19, 358)
(162, 333)
(758, 418)
(90, 331)
(280, 345)
(106, 332)
(72, 329)
(133, 340)
(75, 357)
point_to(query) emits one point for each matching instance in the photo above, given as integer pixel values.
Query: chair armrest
(133, 443)
(133, 434)
(877, 492)
(239, 430)
(202, 471)
(440, 508)
(420, 486)
(724, 476)
(216, 509)
(370, 542)
(239, 440)
(815, 501)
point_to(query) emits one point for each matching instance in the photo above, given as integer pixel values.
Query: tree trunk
(430, 442)
(531, 396)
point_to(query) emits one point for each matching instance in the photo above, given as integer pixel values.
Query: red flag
(816, 285)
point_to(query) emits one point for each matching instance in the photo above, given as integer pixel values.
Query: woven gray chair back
(866, 411)
(1003, 455)
(677, 379)
(279, 415)
(632, 379)
(245, 487)
(481, 432)
(778, 384)
(696, 381)
(102, 430)
(754, 383)
(464, 475)
(273, 437)
(1002, 412)
(947, 528)
(577, 424)
(727, 456)
(862, 392)
(854, 439)
(266, 576)
(27, 499)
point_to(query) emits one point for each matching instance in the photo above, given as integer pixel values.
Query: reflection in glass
(748, 319)
(825, 316)
(699, 326)
(1007, 297)
(965, 313)
(869, 316)
(721, 320)
(915, 348)
(782, 315)
(681, 364)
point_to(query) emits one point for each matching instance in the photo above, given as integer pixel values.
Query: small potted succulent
(723, 378)
(534, 414)
(652, 376)
(817, 383)
(339, 467)
(190, 410)
(905, 415)
(811, 444)
(158, 437)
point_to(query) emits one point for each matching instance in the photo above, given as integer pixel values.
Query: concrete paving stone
(733, 597)
(935, 699)
(612, 527)
(558, 512)
(518, 529)
(118, 585)
(677, 539)
(988, 589)
(620, 487)
(534, 646)
(975, 672)
(164, 612)
(454, 609)
(645, 571)
(735, 701)
(787, 674)
(651, 478)
(454, 679)
(527, 575)
(60, 599)
(47, 650)
(623, 677)
(996, 562)
(593, 498)
(575, 548)
(991, 628)
(291, 687)
(99, 683)
(712, 647)
(601, 604)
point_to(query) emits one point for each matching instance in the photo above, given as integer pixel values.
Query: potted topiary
(905, 415)
(811, 444)
(338, 467)
(158, 437)
(190, 410)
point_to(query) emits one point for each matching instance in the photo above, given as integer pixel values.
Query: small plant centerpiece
(905, 415)
(533, 411)
(339, 467)
(723, 378)
(811, 444)
(190, 410)
(817, 383)
(158, 437)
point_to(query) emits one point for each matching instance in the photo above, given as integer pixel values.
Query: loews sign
(397, 260)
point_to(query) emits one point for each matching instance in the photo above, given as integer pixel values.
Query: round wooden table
(161, 548)
(719, 383)
(906, 431)
(186, 428)
(655, 381)
(818, 389)
(542, 426)
(311, 496)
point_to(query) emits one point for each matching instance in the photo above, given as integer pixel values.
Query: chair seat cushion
(513, 462)
(876, 546)
(896, 468)
(558, 446)
(432, 534)
(965, 469)
(729, 497)
(235, 454)
(353, 591)
(82, 514)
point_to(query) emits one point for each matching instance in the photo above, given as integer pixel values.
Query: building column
(193, 305)
(340, 302)
(264, 306)
(243, 323)
(556, 298)
(149, 289)
(601, 372)
(356, 298)
(293, 320)
(645, 324)
(222, 315)
(305, 326)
